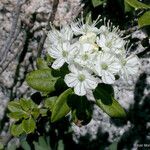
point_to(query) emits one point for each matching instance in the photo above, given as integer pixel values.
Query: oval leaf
(24, 104)
(60, 108)
(28, 125)
(41, 80)
(113, 110)
(104, 99)
(16, 129)
(137, 4)
(14, 106)
(98, 2)
(144, 20)
(17, 115)
(49, 102)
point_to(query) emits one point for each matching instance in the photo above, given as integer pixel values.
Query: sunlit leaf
(16, 129)
(41, 80)
(49, 102)
(144, 20)
(105, 100)
(18, 115)
(14, 106)
(25, 104)
(35, 112)
(60, 108)
(28, 125)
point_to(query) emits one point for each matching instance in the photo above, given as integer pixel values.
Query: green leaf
(144, 20)
(60, 145)
(60, 108)
(104, 99)
(43, 112)
(49, 102)
(41, 64)
(35, 113)
(29, 125)
(104, 92)
(18, 115)
(136, 4)
(14, 106)
(113, 146)
(1, 146)
(41, 144)
(25, 145)
(98, 2)
(16, 129)
(41, 80)
(127, 7)
(25, 104)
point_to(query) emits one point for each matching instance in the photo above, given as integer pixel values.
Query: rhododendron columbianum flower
(64, 35)
(86, 54)
(80, 28)
(62, 53)
(81, 80)
(129, 66)
(106, 67)
(111, 43)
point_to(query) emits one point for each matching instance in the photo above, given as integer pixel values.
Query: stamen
(97, 21)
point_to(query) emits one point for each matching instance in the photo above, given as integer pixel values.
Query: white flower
(86, 54)
(106, 66)
(63, 52)
(129, 66)
(80, 79)
(111, 42)
(55, 36)
(90, 37)
(83, 28)
(104, 30)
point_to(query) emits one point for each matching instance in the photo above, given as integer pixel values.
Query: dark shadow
(139, 116)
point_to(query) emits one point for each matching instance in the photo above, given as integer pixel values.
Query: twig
(13, 34)
(4, 66)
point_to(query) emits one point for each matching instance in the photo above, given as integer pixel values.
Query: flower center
(109, 44)
(104, 66)
(124, 62)
(81, 77)
(85, 57)
(88, 37)
(64, 53)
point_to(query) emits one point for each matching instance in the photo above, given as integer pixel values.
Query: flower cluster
(94, 55)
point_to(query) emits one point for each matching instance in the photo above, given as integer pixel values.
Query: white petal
(132, 70)
(58, 63)
(90, 84)
(73, 68)
(53, 52)
(108, 77)
(67, 33)
(114, 67)
(119, 43)
(71, 80)
(132, 61)
(79, 89)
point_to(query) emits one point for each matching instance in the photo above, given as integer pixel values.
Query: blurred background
(23, 29)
